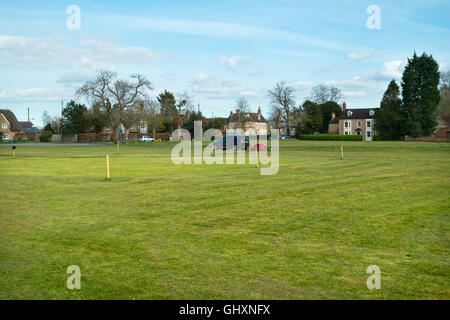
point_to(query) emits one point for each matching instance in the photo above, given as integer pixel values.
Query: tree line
(414, 110)
(422, 101)
(311, 116)
(120, 103)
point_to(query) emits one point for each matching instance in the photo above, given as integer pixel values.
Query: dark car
(238, 143)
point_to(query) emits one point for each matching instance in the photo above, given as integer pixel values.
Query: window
(359, 124)
(368, 134)
(6, 136)
(346, 124)
(4, 126)
(349, 113)
(369, 124)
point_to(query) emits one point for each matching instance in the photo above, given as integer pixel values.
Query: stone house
(354, 122)
(253, 124)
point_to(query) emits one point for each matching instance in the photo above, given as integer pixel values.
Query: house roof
(248, 116)
(27, 127)
(355, 114)
(9, 115)
(26, 124)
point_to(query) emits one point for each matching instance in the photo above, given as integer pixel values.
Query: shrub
(332, 137)
(379, 138)
(46, 136)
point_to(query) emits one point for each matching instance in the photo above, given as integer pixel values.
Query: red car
(260, 147)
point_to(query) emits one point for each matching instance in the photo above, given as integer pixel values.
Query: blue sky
(215, 51)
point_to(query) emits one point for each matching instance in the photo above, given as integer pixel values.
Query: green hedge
(379, 138)
(333, 137)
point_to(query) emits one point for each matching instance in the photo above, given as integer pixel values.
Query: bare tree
(184, 102)
(153, 116)
(54, 121)
(282, 98)
(185, 107)
(322, 94)
(445, 82)
(242, 110)
(443, 110)
(275, 117)
(242, 105)
(115, 95)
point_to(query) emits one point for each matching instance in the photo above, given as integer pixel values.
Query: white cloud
(84, 69)
(354, 93)
(324, 69)
(300, 84)
(355, 82)
(358, 56)
(391, 69)
(203, 77)
(256, 72)
(250, 93)
(55, 52)
(214, 87)
(37, 94)
(233, 62)
(221, 29)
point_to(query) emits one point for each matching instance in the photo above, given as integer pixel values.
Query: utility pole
(60, 118)
(28, 135)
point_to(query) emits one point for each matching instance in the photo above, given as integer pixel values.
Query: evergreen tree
(168, 107)
(389, 119)
(420, 94)
(327, 109)
(189, 125)
(73, 118)
(311, 120)
(48, 127)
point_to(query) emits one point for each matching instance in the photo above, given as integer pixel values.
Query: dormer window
(349, 113)
(371, 113)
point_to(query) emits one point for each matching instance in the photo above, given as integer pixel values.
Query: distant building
(9, 125)
(253, 124)
(354, 122)
(28, 128)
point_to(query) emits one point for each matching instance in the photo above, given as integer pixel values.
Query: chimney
(344, 106)
(259, 109)
(333, 115)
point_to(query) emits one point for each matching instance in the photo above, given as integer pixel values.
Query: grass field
(161, 231)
